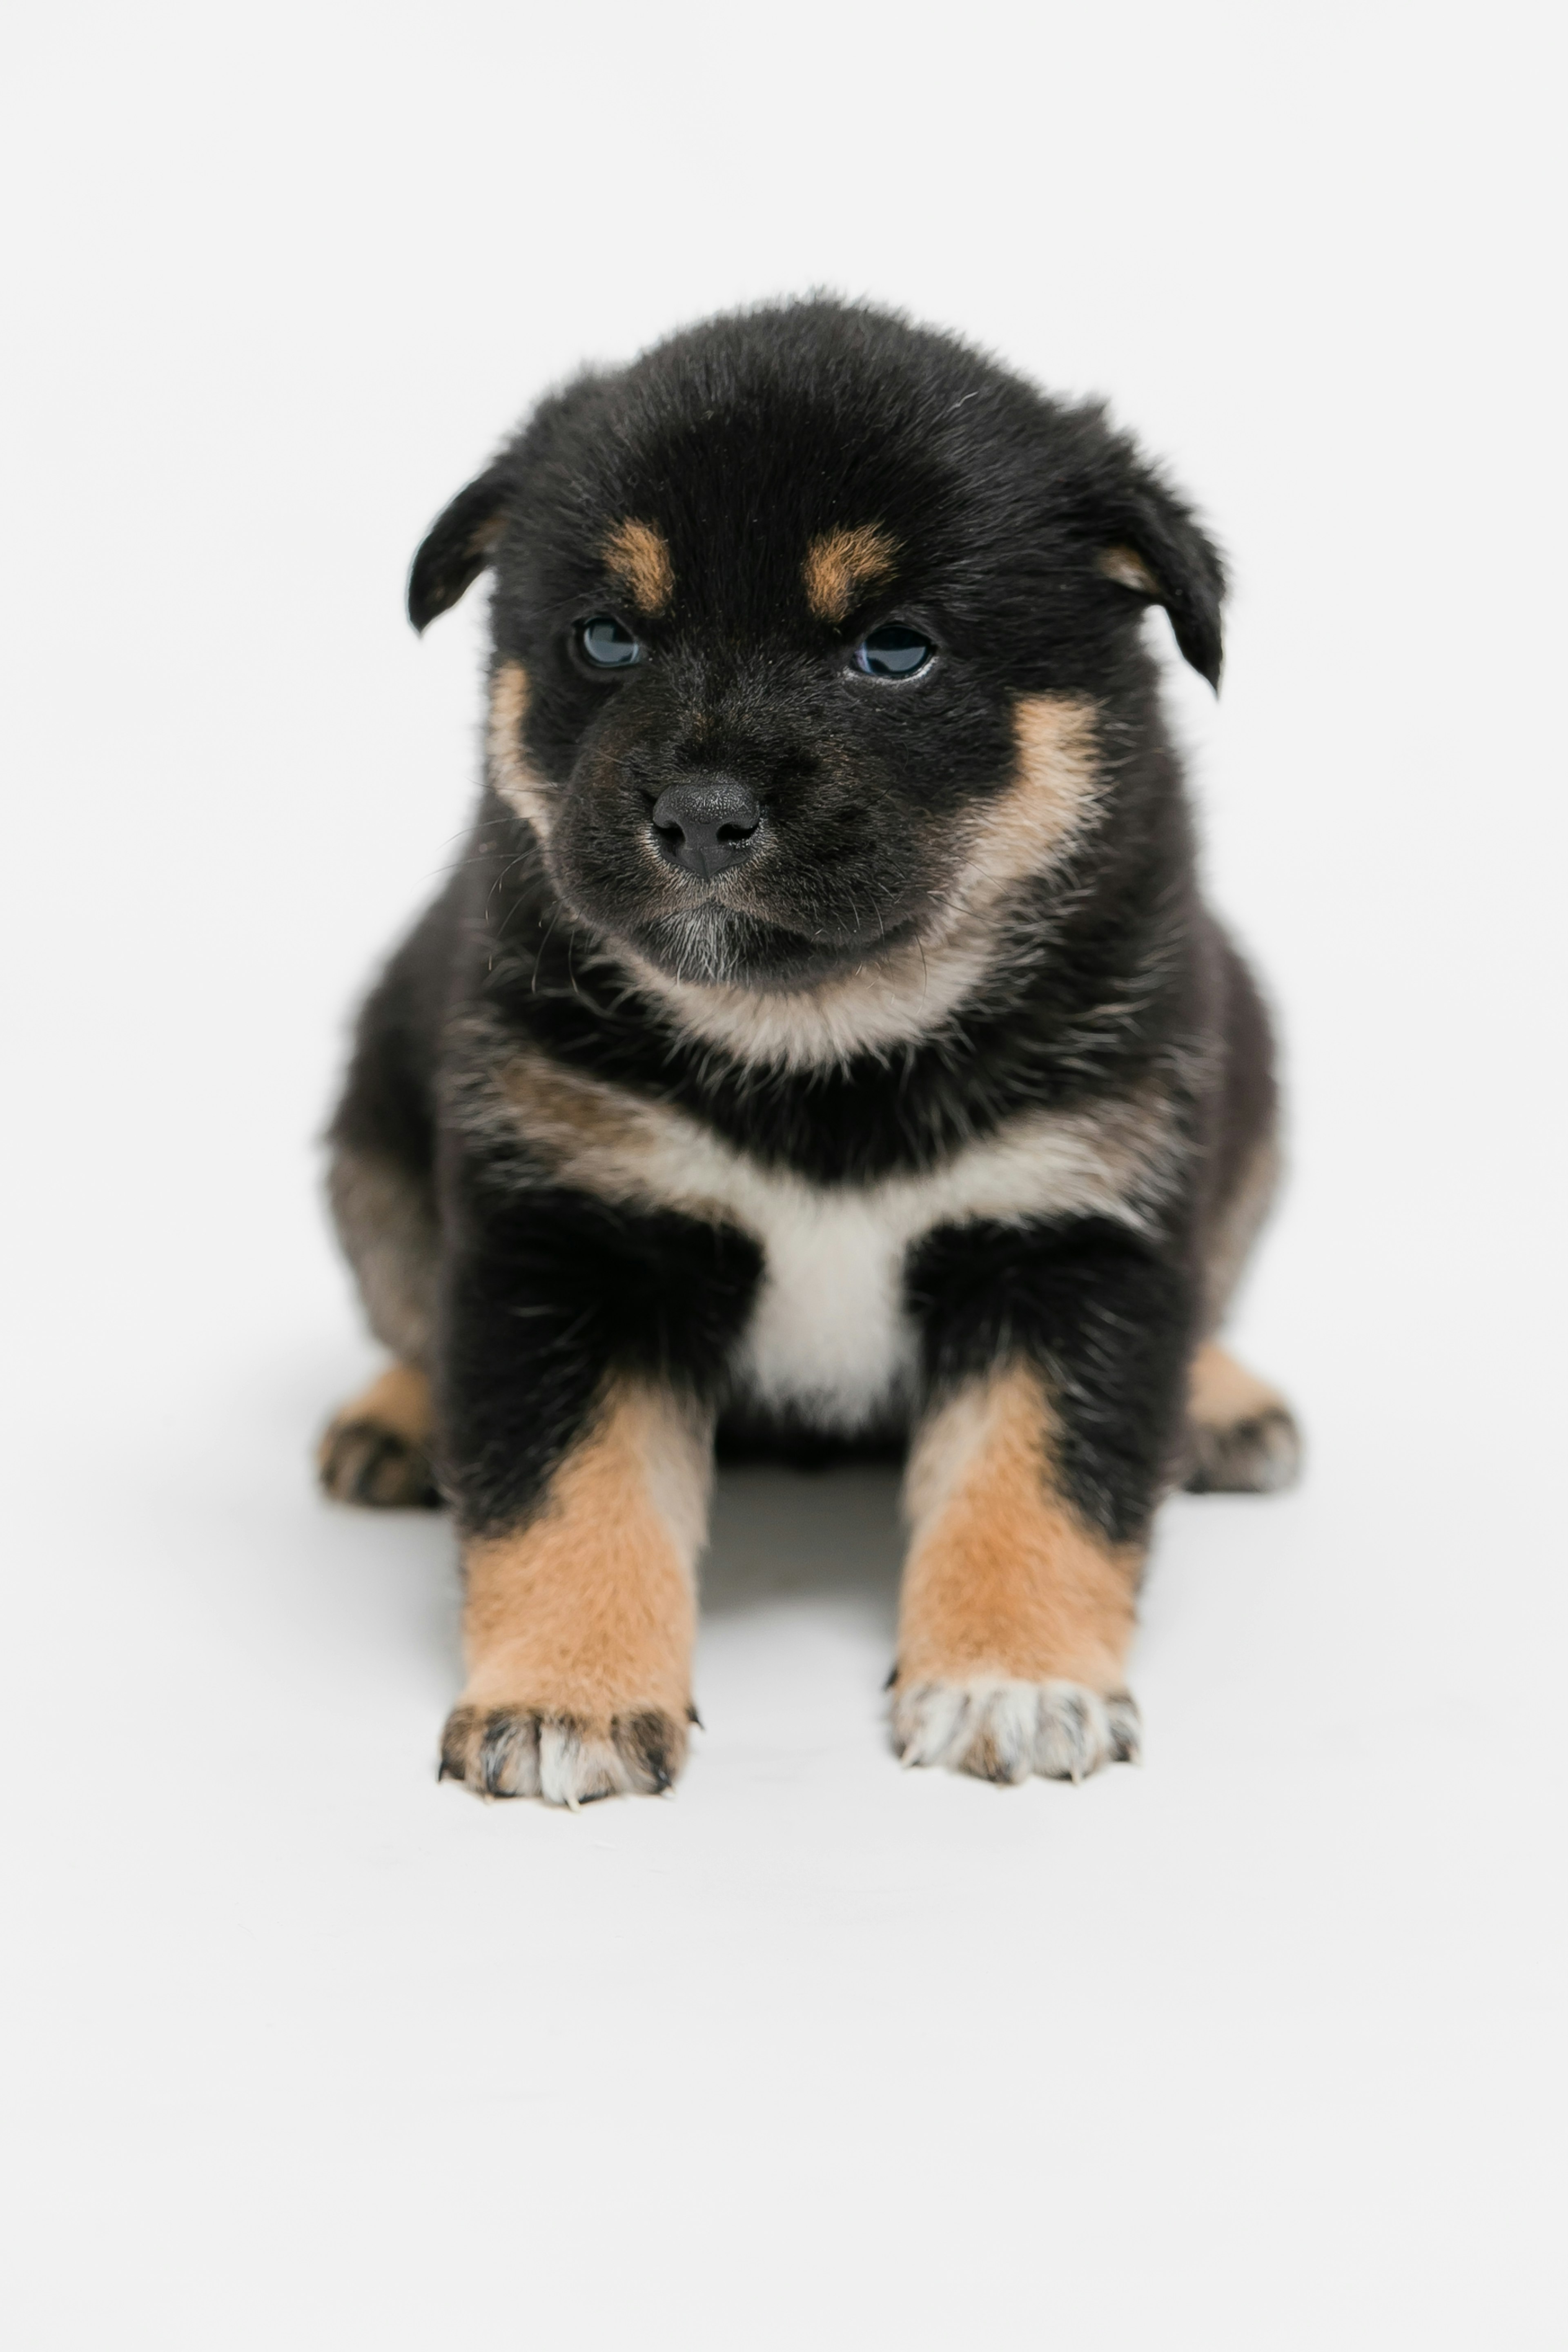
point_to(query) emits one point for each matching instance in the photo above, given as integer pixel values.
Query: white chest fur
(829, 1335)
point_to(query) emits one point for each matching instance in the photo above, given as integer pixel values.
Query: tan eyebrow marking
(1128, 568)
(841, 564)
(637, 555)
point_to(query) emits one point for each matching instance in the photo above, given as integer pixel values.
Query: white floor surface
(1259, 2048)
(1251, 2046)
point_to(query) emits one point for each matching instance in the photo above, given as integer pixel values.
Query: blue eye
(607, 645)
(892, 652)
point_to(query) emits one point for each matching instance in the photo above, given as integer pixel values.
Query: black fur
(541, 1294)
(1107, 1317)
(738, 443)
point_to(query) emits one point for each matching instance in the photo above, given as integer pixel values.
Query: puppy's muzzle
(706, 828)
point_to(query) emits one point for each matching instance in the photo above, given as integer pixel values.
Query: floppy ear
(1151, 545)
(458, 547)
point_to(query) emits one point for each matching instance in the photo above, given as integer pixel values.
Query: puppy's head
(807, 625)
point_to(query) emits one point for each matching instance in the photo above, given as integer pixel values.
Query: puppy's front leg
(1055, 1363)
(576, 1441)
(578, 1621)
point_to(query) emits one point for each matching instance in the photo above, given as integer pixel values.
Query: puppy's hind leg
(377, 1450)
(381, 1185)
(1243, 1437)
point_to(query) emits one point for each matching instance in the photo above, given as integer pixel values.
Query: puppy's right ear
(458, 547)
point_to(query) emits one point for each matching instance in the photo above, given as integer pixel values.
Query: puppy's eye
(892, 652)
(607, 644)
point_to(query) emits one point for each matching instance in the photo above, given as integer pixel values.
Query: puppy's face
(805, 629)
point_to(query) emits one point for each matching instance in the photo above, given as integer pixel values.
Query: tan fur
(637, 556)
(841, 565)
(1107, 1160)
(376, 1450)
(588, 1610)
(1053, 797)
(910, 993)
(592, 1132)
(399, 1401)
(1222, 1394)
(511, 773)
(1128, 568)
(1242, 1436)
(1003, 1580)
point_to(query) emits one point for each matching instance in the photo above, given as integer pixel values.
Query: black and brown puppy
(824, 1040)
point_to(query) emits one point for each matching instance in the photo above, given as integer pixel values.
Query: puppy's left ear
(458, 547)
(1150, 543)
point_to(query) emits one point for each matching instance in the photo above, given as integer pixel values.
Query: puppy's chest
(829, 1337)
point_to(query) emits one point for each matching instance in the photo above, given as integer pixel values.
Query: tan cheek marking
(638, 558)
(842, 564)
(1221, 1393)
(511, 775)
(590, 1609)
(1128, 568)
(1002, 1579)
(1053, 798)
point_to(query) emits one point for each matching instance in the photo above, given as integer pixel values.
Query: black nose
(706, 827)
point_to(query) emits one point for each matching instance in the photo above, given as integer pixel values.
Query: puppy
(823, 1043)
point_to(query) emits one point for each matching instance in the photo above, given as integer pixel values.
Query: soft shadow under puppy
(779, 1532)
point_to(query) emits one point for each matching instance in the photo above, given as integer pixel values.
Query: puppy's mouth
(713, 943)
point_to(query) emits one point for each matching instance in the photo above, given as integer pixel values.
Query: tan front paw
(565, 1759)
(1001, 1730)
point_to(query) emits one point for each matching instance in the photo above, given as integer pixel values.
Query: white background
(1260, 2046)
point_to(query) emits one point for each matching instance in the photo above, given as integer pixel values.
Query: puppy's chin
(717, 947)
